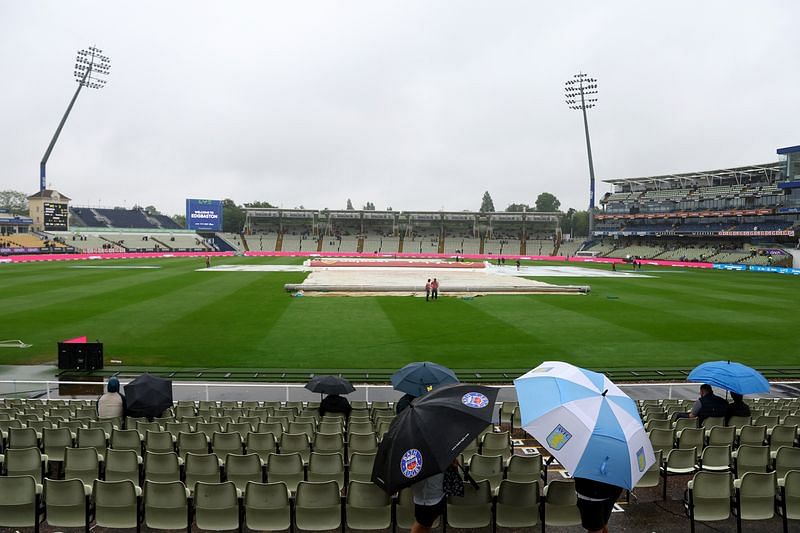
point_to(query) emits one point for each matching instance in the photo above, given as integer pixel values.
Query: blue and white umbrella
(733, 377)
(586, 422)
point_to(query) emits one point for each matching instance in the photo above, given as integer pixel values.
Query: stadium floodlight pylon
(581, 93)
(91, 70)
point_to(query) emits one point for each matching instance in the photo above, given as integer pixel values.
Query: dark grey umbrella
(148, 396)
(330, 385)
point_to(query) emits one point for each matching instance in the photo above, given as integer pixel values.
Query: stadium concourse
(278, 430)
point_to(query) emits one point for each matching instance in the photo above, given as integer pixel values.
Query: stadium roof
(760, 171)
(788, 150)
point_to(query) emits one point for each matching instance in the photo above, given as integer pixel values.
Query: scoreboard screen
(55, 217)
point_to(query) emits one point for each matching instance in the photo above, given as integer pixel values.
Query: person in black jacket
(708, 404)
(737, 407)
(333, 403)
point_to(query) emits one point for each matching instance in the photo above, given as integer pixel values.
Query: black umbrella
(424, 439)
(330, 385)
(148, 396)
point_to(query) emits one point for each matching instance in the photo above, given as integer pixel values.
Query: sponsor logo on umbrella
(558, 437)
(476, 400)
(640, 459)
(411, 463)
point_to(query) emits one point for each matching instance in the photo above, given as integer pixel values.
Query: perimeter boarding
(279, 465)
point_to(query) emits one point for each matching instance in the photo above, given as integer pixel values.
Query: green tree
(350, 205)
(258, 204)
(487, 205)
(180, 220)
(233, 216)
(518, 208)
(369, 207)
(15, 202)
(151, 210)
(547, 202)
(580, 223)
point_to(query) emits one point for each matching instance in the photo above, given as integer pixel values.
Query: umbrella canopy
(148, 396)
(330, 385)
(586, 422)
(418, 378)
(733, 377)
(424, 439)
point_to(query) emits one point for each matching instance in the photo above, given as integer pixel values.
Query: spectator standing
(428, 290)
(595, 502)
(435, 289)
(111, 404)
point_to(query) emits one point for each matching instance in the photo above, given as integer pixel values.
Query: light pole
(91, 69)
(581, 93)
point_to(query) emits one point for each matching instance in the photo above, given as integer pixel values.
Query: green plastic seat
(83, 464)
(560, 504)
(166, 505)
(262, 444)
(721, 436)
(241, 428)
(20, 498)
(329, 443)
(487, 467)
(474, 509)
(195, 442)
(360, 427)
(691, 438)
(286, 468)
(121, 465)
(739, 421)
(755, 497)
(789, 505)
(242, 469)
(202, 467)
(296, 443)
(525, 468)
(517, 504)
(67, 503)
(307, 428)
(216, 506)
(276, 428)
(266, 507)
(208, 428)
(507, 412)
(326, 467)
(782, 435)
(126, 439)
(472, 448)
(318, 506)
(708, 497)
(662, 439)
(716, 459)
(162, 466)
(497, 444)
(23, 438)
(224, 443)
(25, 462)
(367, 507)
(158, 441)
(360, 468)
(362, 443)
(678, 462)
(93, 438)
(116, 504)
(751, 459)
(652, 476)
(786, 458)
(752, 435)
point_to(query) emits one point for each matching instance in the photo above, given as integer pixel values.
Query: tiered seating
(743, 468)
(26, 240)
(262, 242)
(729, 256)
(638, 251)
(169, 472)
(297, 243)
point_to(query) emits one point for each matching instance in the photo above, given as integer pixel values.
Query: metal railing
(51, 389)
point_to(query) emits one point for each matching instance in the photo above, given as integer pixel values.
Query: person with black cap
(112, 403)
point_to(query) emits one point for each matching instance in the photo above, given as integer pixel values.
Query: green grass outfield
(174, 316)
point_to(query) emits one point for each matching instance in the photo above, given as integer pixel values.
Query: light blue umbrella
(586, 422)
(733, 377)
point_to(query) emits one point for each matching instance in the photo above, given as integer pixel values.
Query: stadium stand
(119, 218)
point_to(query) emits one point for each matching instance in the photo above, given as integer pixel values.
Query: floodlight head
(578, 88)
(91, 66)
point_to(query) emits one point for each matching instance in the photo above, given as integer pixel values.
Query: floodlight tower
(91, 69)
(581, 93)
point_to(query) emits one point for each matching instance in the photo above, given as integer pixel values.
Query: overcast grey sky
(410, 104)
